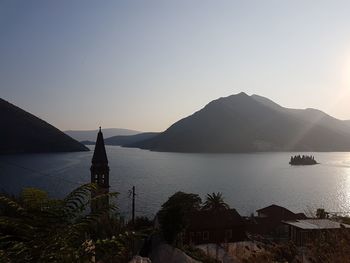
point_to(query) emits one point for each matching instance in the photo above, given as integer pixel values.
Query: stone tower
(100, 174)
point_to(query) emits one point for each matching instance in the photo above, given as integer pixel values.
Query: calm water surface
(248, 181)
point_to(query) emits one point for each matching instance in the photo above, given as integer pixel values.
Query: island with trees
(302, 160)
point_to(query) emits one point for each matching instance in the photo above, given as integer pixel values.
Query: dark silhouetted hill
(22, 132)
(131, 139)
(90, 135)
(242, 123)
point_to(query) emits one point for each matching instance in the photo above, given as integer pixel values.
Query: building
(301, 232)
(269, 222)
(221, 226)
(278, 212)
(99, 175)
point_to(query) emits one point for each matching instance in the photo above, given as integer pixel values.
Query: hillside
(90, 135)
(22, 132)
(129, 139)
(242, 123)
(88, 142)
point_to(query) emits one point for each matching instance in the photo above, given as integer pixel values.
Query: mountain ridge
(243, 123)
(22, 132)
(125, 140)
(90, 135)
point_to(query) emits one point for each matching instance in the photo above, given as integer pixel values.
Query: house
(268, 223)
(301, 232)
(278, 212)
(221, 226)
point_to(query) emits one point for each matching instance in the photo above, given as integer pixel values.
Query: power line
(132, 195)
(133, 205)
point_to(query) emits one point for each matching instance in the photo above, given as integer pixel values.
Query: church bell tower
(100, 174)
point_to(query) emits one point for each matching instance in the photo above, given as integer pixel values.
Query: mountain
(88, 142)
(90, 135)
(308, 115)
(125, 140)
(22, 132)
(242, 123)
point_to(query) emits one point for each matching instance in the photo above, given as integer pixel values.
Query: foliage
(115, 249)
(215, 202)
(142, 223)
(327, 247)
(274, 253)
(34, 228)
(331, 247)
(198, 254)
(344, 219)
(174, 214)
(321, 213)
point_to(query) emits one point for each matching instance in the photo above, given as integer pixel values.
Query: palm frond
(79, 197)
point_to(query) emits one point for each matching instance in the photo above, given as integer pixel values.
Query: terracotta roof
(215, 220)
(100, 156)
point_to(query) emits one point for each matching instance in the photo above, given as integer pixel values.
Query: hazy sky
(145, 64)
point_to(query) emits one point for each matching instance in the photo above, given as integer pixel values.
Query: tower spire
(100, 156)
(100, 173)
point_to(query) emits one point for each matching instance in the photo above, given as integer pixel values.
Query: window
(205, 235)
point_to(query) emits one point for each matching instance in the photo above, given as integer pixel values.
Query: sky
(144, 65)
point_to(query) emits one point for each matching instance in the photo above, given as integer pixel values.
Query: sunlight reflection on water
(248, 181)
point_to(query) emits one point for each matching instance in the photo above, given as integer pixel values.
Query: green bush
(35, 228)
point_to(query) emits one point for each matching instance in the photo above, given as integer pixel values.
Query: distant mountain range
(125, 140)
(131, 139)
(90, 135)
(22, 132)
(242, 123)
(88, 142)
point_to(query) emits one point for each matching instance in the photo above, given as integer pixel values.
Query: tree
(174, 214)
(215, 202)
(321, 213)
(35, 228)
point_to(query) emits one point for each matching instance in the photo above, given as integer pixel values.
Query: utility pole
(133, 205)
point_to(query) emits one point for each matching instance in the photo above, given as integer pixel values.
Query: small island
(302, 160)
